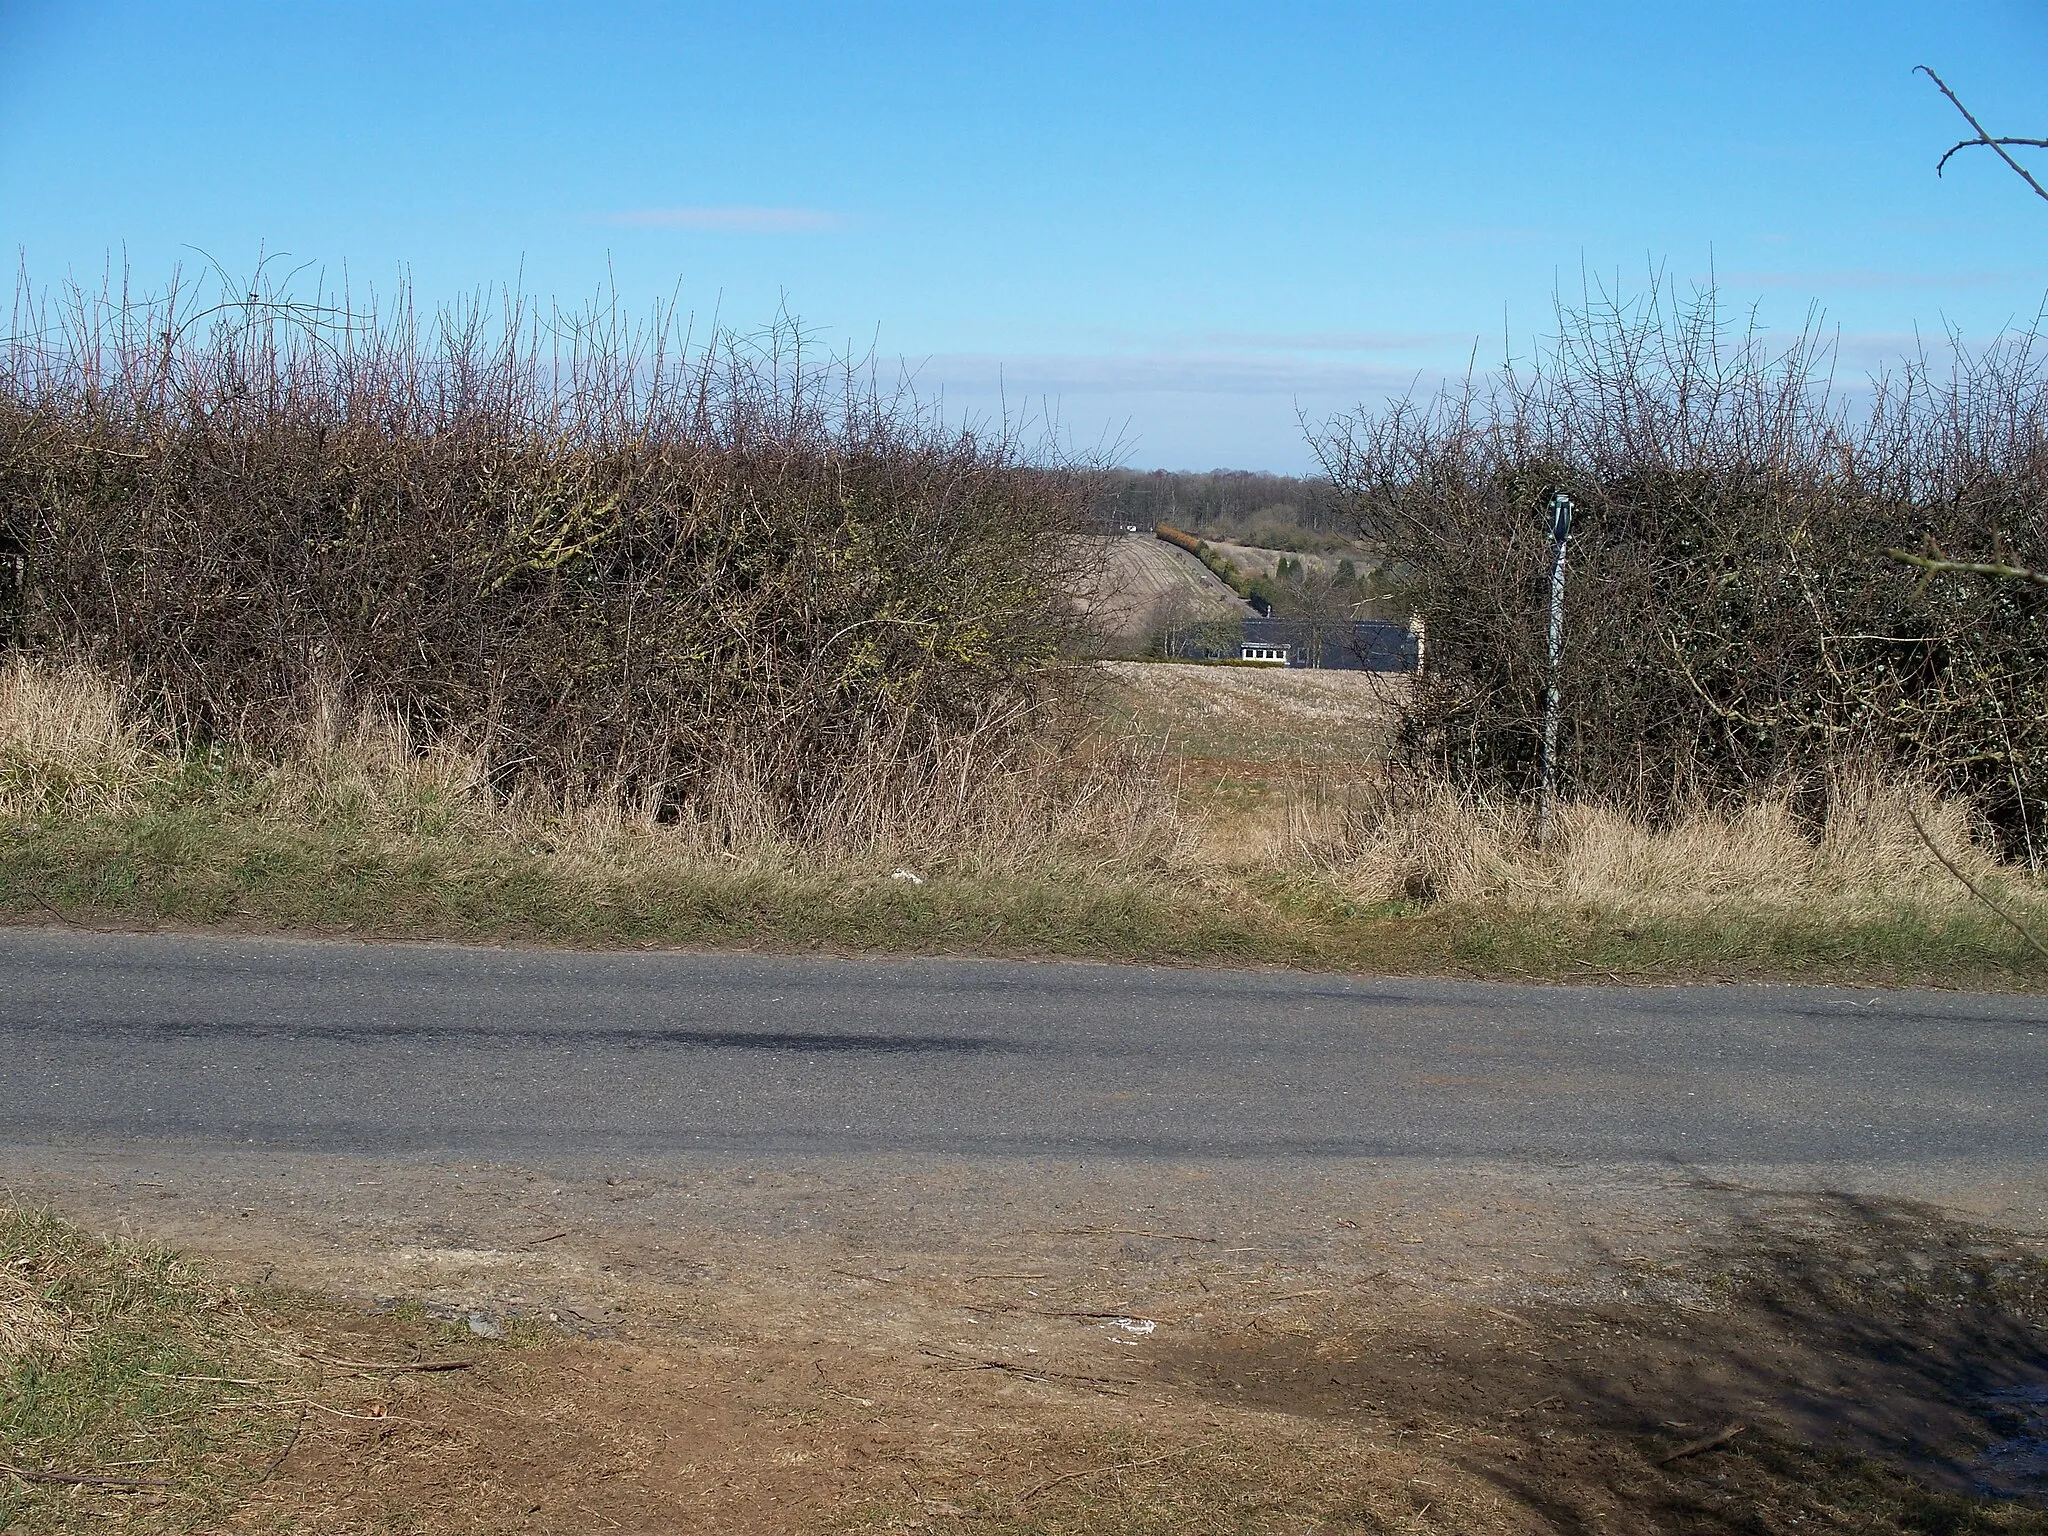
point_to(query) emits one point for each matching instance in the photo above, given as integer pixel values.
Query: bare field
(1259, 714)
(1144, 582)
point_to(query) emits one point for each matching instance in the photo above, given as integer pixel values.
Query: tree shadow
(1887, 1365)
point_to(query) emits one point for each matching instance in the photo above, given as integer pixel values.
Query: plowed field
(1145, 583)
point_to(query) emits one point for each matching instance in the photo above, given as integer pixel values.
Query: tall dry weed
(364, 763)
(69, 744)
(995, 802)
(993, 799)
(1430, 841)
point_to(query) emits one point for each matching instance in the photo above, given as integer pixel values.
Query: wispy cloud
(1313, 341)
(1818, 282)
(738, 220)
(1175, 373)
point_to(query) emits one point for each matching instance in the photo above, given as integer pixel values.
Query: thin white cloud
(738, 220)
(1821, 281)
(1319, 341)
(1175, 373)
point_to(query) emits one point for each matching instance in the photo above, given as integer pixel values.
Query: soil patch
(1859, 1360)
(790, 1362)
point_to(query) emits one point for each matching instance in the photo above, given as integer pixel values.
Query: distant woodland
(1303, 516)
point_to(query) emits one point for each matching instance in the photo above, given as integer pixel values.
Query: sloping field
(1255, 561)
(1145, 583)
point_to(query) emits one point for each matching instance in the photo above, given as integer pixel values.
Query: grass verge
(135, 1388)
(201, 864)
(1092, 849)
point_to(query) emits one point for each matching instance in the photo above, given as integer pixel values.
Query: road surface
(318, 1047)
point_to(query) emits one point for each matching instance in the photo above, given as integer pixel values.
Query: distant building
(1362, 645)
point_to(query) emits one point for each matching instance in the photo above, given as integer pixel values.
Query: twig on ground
(1133, 1313)
(1030, 1372)
(78, 1480)
(286, 1449)
(64, 917)
(365, 1418)
(825, 1386)
(1971, 886)
(388, 1365)
(1708, 1443)
(1067, 1477)
(230, 1381)
(1178, 1237)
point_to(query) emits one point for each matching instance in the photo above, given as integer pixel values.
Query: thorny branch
(1997, 145)
(1973, 888)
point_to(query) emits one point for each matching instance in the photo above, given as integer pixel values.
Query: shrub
(604, 557)
(1733, 621)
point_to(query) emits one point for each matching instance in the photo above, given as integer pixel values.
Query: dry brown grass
(29, 1323)
(1100, 839)
(994, 799)
(1430, 842)
(69, 745)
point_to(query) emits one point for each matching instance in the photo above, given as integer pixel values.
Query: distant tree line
(1272, 511)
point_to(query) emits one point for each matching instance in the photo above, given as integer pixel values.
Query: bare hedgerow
(601, 557)
(1734, 623)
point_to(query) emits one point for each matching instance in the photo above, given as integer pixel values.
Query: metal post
(1560, 532)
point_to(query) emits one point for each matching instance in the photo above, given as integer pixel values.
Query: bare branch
(1973, 888)
(1938, 562)
(1996, 145)
(1942, 163)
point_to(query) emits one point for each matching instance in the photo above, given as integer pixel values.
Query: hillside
(1143, 584)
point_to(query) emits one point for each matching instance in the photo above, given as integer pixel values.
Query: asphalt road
(345, 1047)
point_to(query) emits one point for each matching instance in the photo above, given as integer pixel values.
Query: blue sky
(1182, 225)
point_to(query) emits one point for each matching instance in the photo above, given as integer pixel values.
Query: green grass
(100, 1345)
(1899, 944)
(198, 868)
(203, 863)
